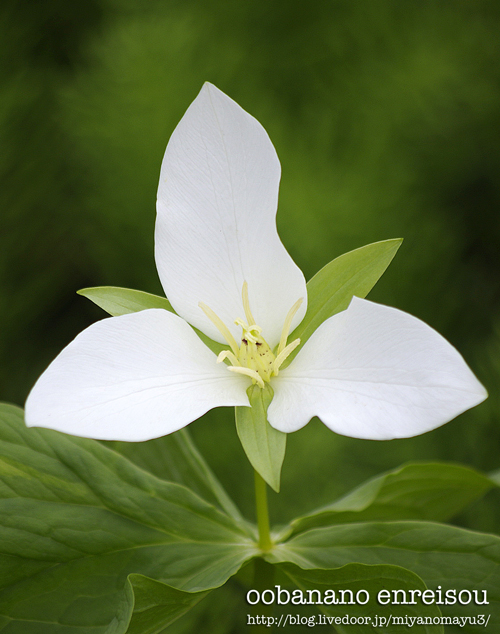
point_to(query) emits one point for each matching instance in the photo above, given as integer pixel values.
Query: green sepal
(332, 288)
(118, 301)
(368, 581)
(415, 491)
(149, 606)
(264, 446)
(121, 301)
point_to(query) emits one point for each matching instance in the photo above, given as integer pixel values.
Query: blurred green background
(386, 118)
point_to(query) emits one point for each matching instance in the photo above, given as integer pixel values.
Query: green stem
(263, 571)
(265, 541)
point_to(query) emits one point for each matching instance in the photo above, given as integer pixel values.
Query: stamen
(283, 355)
(254, 358)
(286, 326)
(221, 327)
(227, 354)
(246, 305)
(248, 372)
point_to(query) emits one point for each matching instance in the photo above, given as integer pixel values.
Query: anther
(226, 354)
(221, 327)
(283, 355)
(246, 304)
(286, 326)
(248, 372)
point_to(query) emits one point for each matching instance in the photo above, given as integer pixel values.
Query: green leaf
(121, 301)
(453, 558)
(76, 519)
(150, 606)
(264, 446)
(332, 288)
(175, 458)
(418, 491)
(368, 581)
(223, 612)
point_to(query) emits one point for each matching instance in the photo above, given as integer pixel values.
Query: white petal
(374, 372)
(134, 377)
(216, 227)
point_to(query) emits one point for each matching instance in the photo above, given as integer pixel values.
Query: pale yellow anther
(221, 327)
(246, 305)
(253, 374)
(286, 326)
(283, 355)
(227, 354)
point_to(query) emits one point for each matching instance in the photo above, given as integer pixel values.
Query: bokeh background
(386, 118)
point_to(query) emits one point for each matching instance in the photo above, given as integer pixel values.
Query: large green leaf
(264, 446)
(453, 558)
(121, 301)
(175, 458)
(222, 612)
(76, 519)
(149, 606)
(368, 581)
(416, 491)
(332, 288)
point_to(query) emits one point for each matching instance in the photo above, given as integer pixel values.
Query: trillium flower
(368, 372)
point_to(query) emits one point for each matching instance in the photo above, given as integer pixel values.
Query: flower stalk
(265, 541)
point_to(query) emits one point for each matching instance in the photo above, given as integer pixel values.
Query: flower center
(253, 357)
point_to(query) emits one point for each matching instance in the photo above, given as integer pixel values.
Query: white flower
(367, 372)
